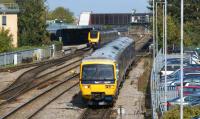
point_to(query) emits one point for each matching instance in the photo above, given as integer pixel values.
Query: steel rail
(42, 95)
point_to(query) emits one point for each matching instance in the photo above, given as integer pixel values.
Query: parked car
(191, 79)
(191, 99)
(172, 65)
(178, 61)
(196, 117)
(170, 69)
(187, 71)
(187, 90)
(191, 53)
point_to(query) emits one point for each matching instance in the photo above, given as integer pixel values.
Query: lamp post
(157, 81)
(154, 54)
(165, 55)
(156, 27)
(182, 16)
(154, 35)
(163, 29)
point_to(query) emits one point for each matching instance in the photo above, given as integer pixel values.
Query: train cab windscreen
(93, 34)
(98, 72)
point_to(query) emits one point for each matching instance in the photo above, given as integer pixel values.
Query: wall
(11, 20)
(28, 56)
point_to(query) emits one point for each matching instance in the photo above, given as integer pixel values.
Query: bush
(189, 112)
(58, 45)
(5, 40)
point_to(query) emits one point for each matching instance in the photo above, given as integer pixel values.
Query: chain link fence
(158, 88)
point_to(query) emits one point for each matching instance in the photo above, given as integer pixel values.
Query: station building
(9, 19)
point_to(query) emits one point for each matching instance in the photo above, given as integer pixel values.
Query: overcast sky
(100, 6)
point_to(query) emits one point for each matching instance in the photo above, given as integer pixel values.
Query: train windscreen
(98, 72)
(93, 34)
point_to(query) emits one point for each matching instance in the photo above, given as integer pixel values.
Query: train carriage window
(115, 47)
(98, 72)
(93, 34)
(4, 21)
(188, 89)
(197, 90)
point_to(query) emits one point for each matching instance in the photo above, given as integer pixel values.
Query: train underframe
(94, 45)
(100, 99)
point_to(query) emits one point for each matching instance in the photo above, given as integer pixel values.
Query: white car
(170, 69)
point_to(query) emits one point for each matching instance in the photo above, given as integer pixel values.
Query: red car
(189, 90)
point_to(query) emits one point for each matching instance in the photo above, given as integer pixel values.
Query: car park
(173, 64)
(187, 90)
(170, 69)
(188, 70)
(190, 100)
(191, 79)
(196, 117)
(191, 53)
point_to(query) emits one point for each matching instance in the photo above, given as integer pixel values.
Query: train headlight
(110, 86)
(86, 86)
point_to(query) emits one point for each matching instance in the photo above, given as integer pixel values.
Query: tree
(191, 22)
(62, 14)
(5, 40)
(32, 23)
(7, 1)
(189, 112)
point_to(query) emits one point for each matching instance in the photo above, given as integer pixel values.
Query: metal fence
(27, 56)
(158, 88)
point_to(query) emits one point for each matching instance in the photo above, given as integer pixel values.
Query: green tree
(63, 14)
(188, 112)
(32, 23)
(7, 1)
(191, 22)
(5, 40)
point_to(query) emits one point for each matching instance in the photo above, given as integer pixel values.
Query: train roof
(110, 51)
(106, 31)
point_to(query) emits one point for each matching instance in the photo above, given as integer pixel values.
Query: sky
(100, 6)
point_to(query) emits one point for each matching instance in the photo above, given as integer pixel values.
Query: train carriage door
(117, 72)
(99, 40)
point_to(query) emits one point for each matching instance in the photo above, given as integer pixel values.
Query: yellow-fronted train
(103, 72)
(97, 39)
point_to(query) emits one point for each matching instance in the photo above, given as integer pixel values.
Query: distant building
(89, 18)
(69, 34)
(9, 19)
(84, 19)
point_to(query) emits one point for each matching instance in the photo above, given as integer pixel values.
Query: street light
(165, 55)
(157, 83)
(182, 13)
(153, 35)
(157, 25)
(165, 50)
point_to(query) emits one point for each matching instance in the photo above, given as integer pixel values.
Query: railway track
(22, 66)
(39, 102)
(104, 113)
(28, 80)
(20, 89)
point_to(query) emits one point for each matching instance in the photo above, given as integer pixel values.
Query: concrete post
(53, 47)
(5, 59)
(15, 59)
